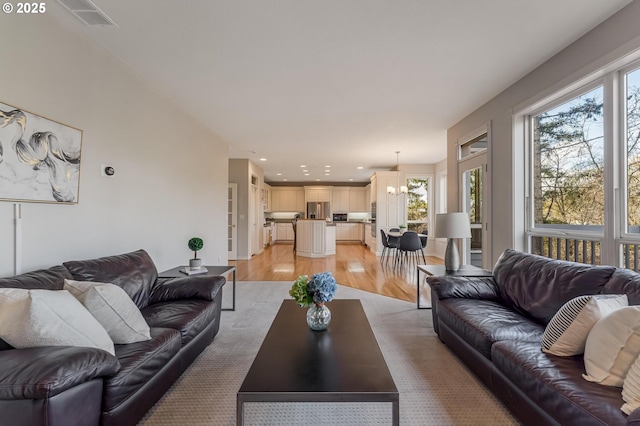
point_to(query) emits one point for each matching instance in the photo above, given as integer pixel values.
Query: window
(418, 205)
(632, 127)
(568, 158)
(581, 148)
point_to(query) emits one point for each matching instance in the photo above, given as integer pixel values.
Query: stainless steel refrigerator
(318, 210)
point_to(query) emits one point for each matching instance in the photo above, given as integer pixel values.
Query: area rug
(435, 388)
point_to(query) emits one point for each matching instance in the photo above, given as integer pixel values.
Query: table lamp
(452, 226)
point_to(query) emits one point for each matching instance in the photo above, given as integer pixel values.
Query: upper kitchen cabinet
(318, 193)
(340, 200)
(265, 197)
(357, 200)
(287, 199)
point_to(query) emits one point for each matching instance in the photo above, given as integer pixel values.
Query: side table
(211, 270)
(439, 271)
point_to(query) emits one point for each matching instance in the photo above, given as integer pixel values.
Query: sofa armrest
(39, 373)
(448, 287)
(194, 287)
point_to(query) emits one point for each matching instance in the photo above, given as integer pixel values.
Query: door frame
(232, 221)
(480, 159)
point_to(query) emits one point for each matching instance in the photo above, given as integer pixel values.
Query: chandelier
(398, 189)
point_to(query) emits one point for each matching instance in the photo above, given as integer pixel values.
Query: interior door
(475, 193)
(232, 220)
(473, 203)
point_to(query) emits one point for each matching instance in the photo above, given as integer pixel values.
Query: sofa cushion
(631, 388)
(612, 346)
(134, 272)
(566, 334)
(189, 317)
(624, 281)
(538, 286)
(481, 323)
(113, 308)
(48, 279)
(35, 318)
(139, 362)
(555, 384)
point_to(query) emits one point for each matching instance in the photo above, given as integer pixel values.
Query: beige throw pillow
(33, 318)
(612, 346)
(113, 308)
(566, 334)
(631, 389)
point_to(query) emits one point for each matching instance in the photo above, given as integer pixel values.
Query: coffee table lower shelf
(341, 364)
(245, 397)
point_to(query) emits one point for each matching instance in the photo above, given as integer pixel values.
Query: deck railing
(631, 256)
(567, 248)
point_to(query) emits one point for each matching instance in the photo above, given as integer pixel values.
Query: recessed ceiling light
(351, 180)
(327, 166)
(278, 174)
(303, 166)
(263, 159)
(327, 171)
(285, 179)
(360, 167)
(306, 174)
(326, 174)
(317, 180)
(305, 170)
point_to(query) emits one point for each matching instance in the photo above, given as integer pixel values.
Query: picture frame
(39, 158)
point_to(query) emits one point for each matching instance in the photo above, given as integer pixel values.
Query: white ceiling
(344, 83)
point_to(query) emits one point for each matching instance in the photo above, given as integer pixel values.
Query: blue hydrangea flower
(322, 287)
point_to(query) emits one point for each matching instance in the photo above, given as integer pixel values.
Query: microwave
(339, 217)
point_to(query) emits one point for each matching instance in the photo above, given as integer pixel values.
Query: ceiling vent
(87, 12)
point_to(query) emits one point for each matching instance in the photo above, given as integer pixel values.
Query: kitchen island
(315, 238)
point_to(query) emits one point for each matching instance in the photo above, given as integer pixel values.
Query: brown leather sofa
(85, 386)
(495, 326)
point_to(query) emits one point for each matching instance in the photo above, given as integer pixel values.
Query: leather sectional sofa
(495, 326)
(62, 385)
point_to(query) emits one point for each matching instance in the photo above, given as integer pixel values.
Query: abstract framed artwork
(39, 158)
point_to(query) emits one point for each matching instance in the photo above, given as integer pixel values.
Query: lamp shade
(453, 225)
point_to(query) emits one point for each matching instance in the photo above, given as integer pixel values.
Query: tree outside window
(418, 205)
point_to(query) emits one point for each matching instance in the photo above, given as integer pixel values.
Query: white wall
(171, 172)
(617, 36)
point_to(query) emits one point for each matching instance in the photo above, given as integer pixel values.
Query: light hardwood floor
(353, 265)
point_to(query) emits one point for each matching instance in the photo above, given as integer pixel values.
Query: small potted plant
(403, 228)
(195, 244)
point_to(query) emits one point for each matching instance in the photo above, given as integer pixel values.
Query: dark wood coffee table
(341, 364)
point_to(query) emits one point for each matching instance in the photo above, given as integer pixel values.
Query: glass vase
(318, 317)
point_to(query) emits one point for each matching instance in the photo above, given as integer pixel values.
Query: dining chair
(387, 245)
(423, 240)
(408, 246)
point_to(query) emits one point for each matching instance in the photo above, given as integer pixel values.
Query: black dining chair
(387, 245)
(393, 240)
(423, 240)
(408, 247)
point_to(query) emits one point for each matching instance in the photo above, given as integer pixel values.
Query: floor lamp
(452, 226)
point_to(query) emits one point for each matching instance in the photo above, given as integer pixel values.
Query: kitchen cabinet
(284, 232)
(265, 197)
(287, 199)
(317, 193)
(357, 200)
(349, 231)
(340, 200)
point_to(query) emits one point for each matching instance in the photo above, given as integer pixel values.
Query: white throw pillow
(566, 334)
(612, 346)
(631, 389)
(33, 318)
(113, 308)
